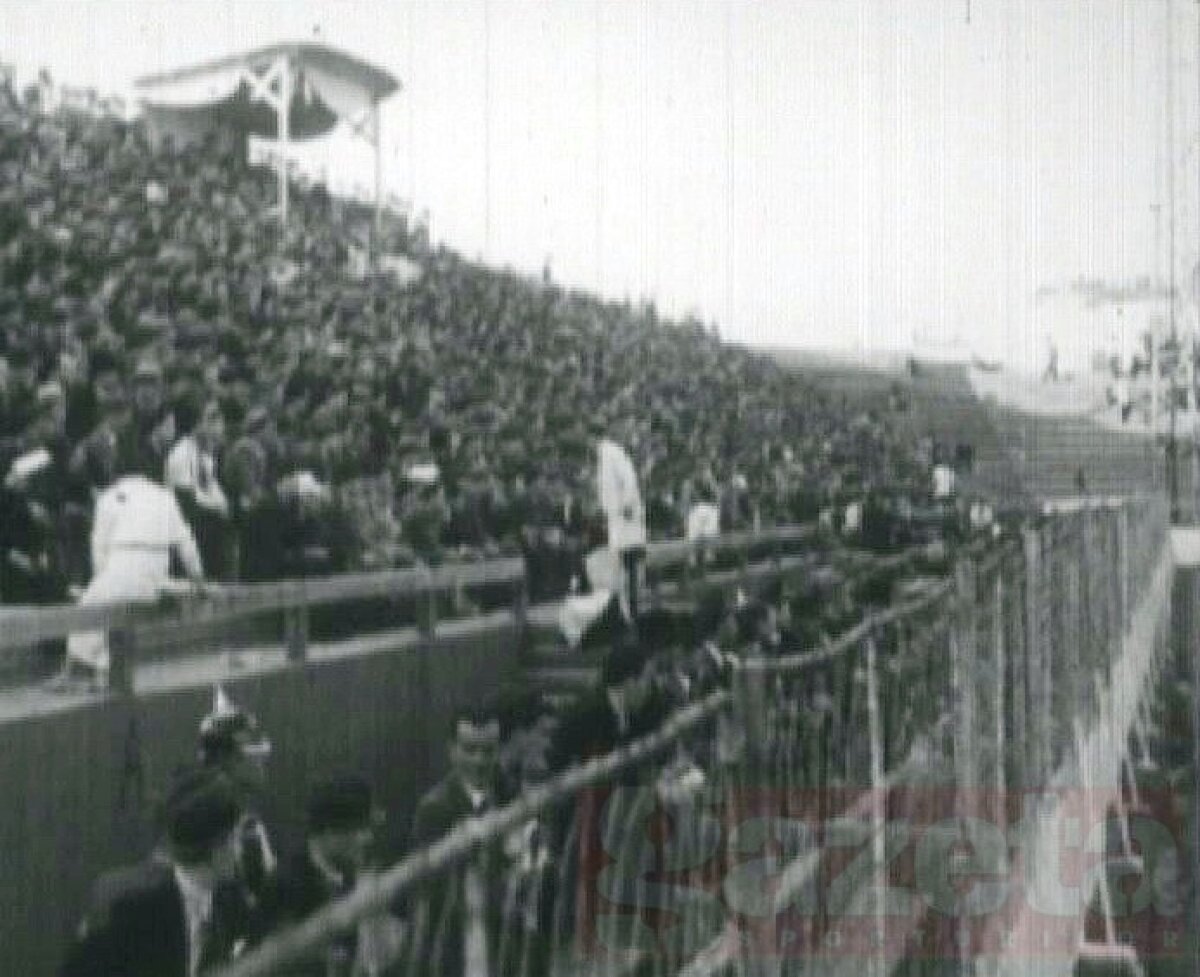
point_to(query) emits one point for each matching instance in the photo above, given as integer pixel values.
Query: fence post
(521, 612)
(295, 623)
(878, 804)
(1035, 660)
(963, 668)
(1002, 690)
(427, 613)
(122, 659)
(689, 568)
(1123, 567)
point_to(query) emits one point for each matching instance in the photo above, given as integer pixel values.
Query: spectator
(455, 923)
(191, 471)
(142, 444)
(137, 527)
(172, 916)
(231, 742)
(624, 708)
(621, 500)
(335, 855)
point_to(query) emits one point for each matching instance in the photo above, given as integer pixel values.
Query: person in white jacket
(137, 524)
(621, 502)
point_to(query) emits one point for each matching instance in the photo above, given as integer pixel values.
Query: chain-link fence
(768, 826)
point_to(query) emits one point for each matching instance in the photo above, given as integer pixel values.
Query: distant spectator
(137, 526)
(456, 916)
(191, 471)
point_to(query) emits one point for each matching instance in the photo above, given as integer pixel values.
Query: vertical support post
(377, 137)
(521, 612)
(122, 660)
(1123, 567)
(878, 805)
(1035, 659)
(295, 623)
(285, 134)
(1193, 596)
(1001, 691)
(427, 614)
(963, 661)
(688, 569)
(1018, 677)
(750, 696)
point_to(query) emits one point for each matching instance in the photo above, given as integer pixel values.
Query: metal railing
(745, 834)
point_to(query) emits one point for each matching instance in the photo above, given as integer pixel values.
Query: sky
(853, 175)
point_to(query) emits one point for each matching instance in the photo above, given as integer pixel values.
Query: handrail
(21, 627)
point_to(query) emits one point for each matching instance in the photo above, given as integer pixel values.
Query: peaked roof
(376, 82)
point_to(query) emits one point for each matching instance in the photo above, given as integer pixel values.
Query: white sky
(845, 174)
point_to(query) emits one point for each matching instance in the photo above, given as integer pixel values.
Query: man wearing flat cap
(176, 914)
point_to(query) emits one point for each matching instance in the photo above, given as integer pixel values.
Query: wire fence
(754, 830)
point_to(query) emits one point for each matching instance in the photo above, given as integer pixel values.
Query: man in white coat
(137, 524)
(621, 502)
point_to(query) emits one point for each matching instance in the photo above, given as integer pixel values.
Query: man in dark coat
(454, 922)
(341, 831)
(625, 708)
(177, 913)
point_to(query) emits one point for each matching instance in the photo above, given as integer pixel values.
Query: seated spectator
(143, 442)
(191, 471)
(137, 527)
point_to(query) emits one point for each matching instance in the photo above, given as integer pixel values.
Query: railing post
(521, 612)
(878, 803)
(963, 667)
(122, 659)
(1038, 739)
(427, 614)
(1001, 689)
(1123, 568)
(689, 568)
(750, 707)
(295, 623)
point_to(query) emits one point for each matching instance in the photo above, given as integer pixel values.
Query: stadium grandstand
(386, 683)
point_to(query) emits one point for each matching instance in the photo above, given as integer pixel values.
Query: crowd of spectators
(323, 418)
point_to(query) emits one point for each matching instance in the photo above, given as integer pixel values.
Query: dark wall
(80, 786)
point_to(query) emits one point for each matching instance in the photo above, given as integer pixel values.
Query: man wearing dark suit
(177, 913)
(625, 708)
(454, 922)
(341, 830)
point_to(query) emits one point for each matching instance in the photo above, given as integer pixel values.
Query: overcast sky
(843, 174)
